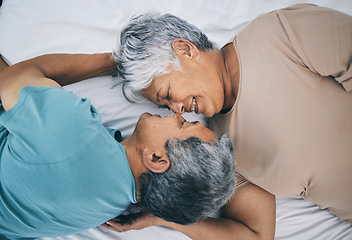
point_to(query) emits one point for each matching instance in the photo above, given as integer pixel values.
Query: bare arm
(249, 215)
(70, 68)
(51, 70)
(3, 64)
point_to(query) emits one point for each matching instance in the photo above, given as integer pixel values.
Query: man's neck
(134, 160)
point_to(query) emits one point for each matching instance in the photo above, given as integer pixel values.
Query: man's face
(153, 130)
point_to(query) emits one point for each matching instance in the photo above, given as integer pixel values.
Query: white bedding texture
(35, 27)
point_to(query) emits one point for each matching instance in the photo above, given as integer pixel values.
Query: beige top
(291, 124)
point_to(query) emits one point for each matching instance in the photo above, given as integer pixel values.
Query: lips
(194, 106)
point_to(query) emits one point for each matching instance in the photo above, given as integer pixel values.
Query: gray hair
(146, 52)
(200, 180)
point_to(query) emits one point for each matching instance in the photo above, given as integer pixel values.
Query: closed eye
(163, 97)
(168, 94)
(180, 124)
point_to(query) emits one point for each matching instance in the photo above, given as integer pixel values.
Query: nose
(177, 107)
(179, 117)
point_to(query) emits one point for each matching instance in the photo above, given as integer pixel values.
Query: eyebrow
(190, 123)
(193, 123)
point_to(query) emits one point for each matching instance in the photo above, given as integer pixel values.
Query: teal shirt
(61, 170)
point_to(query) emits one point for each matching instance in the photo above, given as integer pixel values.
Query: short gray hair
(145, 50)
(200, 180)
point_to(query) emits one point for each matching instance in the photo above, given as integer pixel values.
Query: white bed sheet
(35, 27)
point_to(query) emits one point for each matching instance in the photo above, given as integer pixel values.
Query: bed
(32, 28)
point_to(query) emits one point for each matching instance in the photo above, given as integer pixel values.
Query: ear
(155, 162)
(184, 47)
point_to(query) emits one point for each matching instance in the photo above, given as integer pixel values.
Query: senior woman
(281, 89)
(62, 171)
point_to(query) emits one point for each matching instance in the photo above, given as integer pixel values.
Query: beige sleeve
(241, 182)
(322, 38)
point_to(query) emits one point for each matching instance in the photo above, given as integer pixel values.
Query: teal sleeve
(116, 134)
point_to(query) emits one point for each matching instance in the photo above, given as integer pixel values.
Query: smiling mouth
(193, 107)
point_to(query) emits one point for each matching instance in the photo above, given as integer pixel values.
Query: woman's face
(155, 130)
(197, 88)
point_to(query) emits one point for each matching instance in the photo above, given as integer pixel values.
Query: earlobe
(155, 162)
(184, 47)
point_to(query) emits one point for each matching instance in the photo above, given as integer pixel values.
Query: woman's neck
(231, 76)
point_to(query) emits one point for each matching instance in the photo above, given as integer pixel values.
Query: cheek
(208, 86)
(217, 97)
(147, 129)
(181, 90)
(164, 131)
(212, 103)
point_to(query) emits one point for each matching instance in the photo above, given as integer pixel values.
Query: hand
(134, 221)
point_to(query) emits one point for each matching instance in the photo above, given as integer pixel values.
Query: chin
(208, 114)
